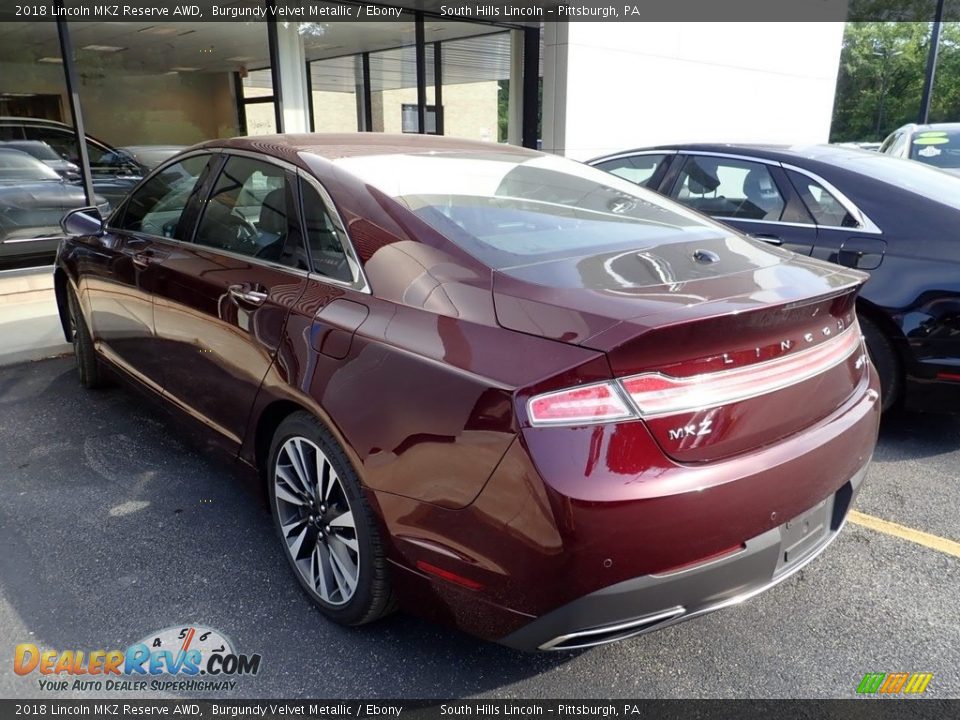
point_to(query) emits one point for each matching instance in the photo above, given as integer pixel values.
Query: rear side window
(724, 187)
(823, 206)
(324, 238)
(638, 169)
(156, 207)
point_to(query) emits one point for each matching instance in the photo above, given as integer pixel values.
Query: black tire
(886, 362)
(88, 367)
(372, 597)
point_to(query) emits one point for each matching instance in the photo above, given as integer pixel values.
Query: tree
(880, 81)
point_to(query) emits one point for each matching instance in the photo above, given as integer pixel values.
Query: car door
(222, 298)
(119, 284)
(844, 234)
(751, 195)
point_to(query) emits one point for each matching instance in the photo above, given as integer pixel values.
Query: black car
(897, 219)
(937, 144)
(33, 199)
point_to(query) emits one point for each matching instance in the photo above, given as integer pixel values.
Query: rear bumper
(652, 602)
(581, 529)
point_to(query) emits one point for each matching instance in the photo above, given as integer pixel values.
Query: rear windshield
(509, 210)
(940, 148)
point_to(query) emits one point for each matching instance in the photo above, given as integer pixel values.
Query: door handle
(764, 237)
(141, 260)
(245, 295)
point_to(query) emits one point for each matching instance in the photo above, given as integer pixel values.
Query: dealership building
(580, 88)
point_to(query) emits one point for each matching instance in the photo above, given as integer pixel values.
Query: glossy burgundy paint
(424, 382)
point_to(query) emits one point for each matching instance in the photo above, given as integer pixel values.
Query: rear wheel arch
(267, 424)
(892, 331)
(278, 410)
(887, 346)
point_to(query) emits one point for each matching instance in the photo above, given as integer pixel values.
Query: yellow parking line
(934, 542)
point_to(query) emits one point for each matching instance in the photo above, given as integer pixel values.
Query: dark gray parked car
(33, 198)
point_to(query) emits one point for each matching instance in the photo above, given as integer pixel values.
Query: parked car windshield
(16, 166)
(507, 210)
(940, 148)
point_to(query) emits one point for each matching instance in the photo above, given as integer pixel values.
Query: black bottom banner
(855, 709)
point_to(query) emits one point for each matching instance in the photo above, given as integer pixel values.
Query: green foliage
(880, 83)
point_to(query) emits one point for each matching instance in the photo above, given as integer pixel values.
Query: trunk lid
(737, 344)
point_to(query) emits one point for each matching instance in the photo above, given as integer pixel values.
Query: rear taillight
(656, 394)
(602, 402)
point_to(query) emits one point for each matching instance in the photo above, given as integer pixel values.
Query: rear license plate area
(803, 534)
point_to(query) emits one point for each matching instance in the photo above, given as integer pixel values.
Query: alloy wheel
(316, 520)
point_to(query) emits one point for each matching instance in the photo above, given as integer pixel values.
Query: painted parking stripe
(934, 542)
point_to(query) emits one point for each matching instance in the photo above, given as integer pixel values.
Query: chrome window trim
(732, 156)
(865, 224)
(620, 156)
(237, 256)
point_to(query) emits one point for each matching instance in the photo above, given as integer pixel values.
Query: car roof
(777, 153)
(8, 120)
(333, 146)
(914, 127)
(141, 148)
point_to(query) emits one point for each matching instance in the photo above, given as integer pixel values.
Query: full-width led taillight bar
(656, 394)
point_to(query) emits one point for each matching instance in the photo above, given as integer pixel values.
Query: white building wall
(614, 86)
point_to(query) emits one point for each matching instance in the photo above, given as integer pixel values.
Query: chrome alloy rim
(316, 520)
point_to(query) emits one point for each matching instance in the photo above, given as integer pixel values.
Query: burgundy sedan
(495, 387)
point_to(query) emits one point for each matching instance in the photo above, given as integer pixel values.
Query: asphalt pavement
(114, 524)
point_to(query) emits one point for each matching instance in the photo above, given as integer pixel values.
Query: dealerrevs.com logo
(187, 658)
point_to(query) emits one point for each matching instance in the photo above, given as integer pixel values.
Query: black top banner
(480, 709)
(515, 12)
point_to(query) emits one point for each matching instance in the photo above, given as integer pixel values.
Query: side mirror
(82, 221)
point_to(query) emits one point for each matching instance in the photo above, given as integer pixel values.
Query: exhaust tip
(604, 634)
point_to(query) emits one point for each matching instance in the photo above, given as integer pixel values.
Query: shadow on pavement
(115, 525)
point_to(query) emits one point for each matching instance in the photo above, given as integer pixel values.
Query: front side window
(823, 206)
(638, 169)
(899, 145)
(724, 187)
(891, 138)
(156, 207)
(250, 212)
